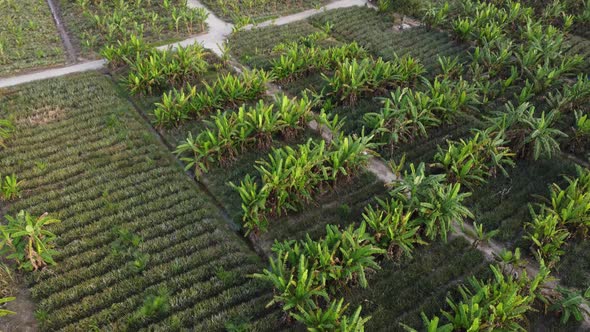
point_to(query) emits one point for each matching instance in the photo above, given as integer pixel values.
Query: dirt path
(65, 38)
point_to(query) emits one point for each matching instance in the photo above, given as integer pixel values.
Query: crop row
(94, 24)
(254, 47)
(28, 36)
(121, 186)
(368, 28)
(244, 12)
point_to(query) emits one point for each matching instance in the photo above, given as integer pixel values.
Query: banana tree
(527, 133)
(26, 240)
(548, 237)
(471, 162)
(443, 207)
(392, 228)
(296, 286)
(10, 187)
(405, 116)
(332, 318)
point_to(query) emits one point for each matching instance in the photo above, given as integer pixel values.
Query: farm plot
(140, 247)
(252, 11)
(500, 204)
(94, 24)
(254, 48)
(377, 34)
(28, 37)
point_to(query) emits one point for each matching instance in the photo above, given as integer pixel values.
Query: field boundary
(63, 34)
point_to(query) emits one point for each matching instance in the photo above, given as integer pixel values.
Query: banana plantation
(309, 165)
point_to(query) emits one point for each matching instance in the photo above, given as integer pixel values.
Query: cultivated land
(246, 12)
(143, 245)
(94, 24)
(84, 154)
(28, 37)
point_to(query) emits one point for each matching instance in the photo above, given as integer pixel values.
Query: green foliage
(437, 205)
(10, 187)
(564, 214)
(106, 22)
(569, 304)
(353, 78)
(229, 133)
(406, 115)
(29, 38)
(295, 286)
(6, 129)
(154, 305)
(296, 60)
(227, 90)
(529, 135)
(548, 237)
(124, 52)
(3, 301)
(472, 162)
(25, 240)
(581, 135)
(159, 70)
(393, 228)
(292, 177)
(572, 204)
(497, 304)
(332, 318)
(481, 235)
(307, 272)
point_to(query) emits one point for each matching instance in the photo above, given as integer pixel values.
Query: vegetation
(565, 214)
(227, 91)
(100, 23)
(291, 177)
(471, 162)
(25, 240)
(246, 12)
(28, 37)
(6, 128)
(500, 303)
(4, 312)
(117, 176)
(232, 133)
(481, 89)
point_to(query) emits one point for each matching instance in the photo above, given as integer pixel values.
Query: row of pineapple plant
(24, 239)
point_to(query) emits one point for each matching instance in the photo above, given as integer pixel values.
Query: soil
(23, 305)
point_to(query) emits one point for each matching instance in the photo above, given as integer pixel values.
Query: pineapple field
(299, 165)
